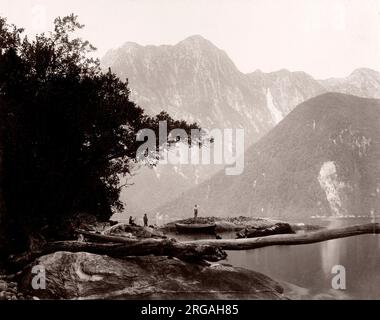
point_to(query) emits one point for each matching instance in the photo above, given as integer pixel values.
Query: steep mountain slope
(192, 80)
(322, 159)
(284, 90)
(196, 81)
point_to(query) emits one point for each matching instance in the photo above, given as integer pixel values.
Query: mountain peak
(197, 40)
(363, 72)
(281, 72)
(129, 45)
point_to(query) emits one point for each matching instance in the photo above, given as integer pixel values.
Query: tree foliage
(68, 130)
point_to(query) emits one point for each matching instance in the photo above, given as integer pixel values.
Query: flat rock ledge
(84, 275)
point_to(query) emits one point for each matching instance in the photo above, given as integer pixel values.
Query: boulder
(261, 231)
(134, 231)
(90, 276)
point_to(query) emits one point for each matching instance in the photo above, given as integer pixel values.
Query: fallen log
(289, 239)
(196, 250)
(117, 227)
(171, 248)
(106, 238)
(188, 252)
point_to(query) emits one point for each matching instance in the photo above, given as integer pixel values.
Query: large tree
(68, 133)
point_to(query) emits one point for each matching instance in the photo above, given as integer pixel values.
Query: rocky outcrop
(261, 231)
(134, 231)
(89, 276)
(227, 224)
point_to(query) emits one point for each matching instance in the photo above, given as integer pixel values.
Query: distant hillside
(361, 82)
(323, 158)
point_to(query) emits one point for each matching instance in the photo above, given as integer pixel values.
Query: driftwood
(122, 248)
(290, 239)
(100, 237)
(188, 252)
(121, 226)
(196, 250)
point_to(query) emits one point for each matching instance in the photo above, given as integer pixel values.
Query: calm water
(309, 266)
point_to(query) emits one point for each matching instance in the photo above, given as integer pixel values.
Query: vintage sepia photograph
(215, 150)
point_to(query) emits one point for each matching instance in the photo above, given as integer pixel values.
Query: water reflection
(333, 251)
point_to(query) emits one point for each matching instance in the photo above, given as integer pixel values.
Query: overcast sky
(326, 38)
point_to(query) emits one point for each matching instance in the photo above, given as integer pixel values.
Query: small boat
(195, 227)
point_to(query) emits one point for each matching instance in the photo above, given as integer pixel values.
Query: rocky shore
(90, 276)
(9, 290)
(83, 275)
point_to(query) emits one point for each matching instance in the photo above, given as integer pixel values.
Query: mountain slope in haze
(362, 82)
(284, 90)
(153, 187)
(192, 80)
(322, 159)
(196, 81)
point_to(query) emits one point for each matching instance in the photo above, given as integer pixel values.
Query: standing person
(195, 212)
(145, 220)
(131, 221)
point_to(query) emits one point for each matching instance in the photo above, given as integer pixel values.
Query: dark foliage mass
(68, 132)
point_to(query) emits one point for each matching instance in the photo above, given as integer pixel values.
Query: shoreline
(230, 224)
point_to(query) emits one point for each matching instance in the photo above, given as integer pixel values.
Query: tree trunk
(101, 237)
(186, 252)
(289, 239)
(197, 250)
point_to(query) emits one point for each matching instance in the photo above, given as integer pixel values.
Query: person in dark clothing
(195, 212)
(145, 220)
(131, 221)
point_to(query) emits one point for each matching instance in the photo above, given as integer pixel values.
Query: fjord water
(310, 266)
